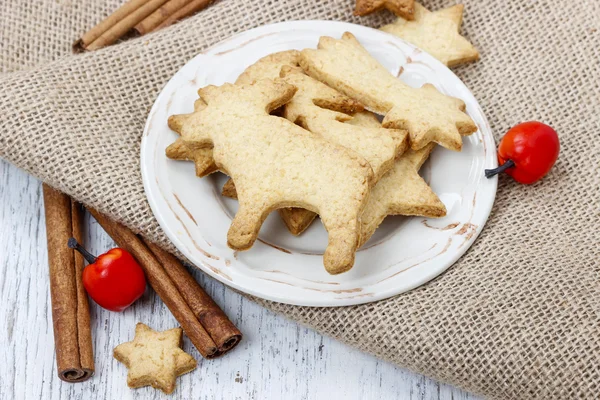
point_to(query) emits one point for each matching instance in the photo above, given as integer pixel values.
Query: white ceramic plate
(404, 252)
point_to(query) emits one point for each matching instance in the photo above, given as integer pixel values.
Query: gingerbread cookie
(437, 33)
(154, 358)
(402, 8)
(401, 192)
(269, 67)
(275, 163)
(428, 115)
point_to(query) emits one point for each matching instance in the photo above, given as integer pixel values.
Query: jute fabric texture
(517, 317)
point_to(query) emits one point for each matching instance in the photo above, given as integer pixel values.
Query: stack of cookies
(294, 134)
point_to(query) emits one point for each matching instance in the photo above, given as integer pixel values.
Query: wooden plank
(277, 358)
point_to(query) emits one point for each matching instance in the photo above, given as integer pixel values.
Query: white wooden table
(277, 358)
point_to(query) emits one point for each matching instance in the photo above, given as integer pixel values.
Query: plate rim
(288, 25)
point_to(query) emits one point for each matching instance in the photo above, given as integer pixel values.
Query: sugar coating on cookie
(275, 163)
(437, 33)
(401, 192)
(428, 115)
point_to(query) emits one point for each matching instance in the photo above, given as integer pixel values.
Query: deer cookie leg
(245, 226)
(343, 242)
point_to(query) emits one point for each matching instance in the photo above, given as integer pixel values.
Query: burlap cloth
(517, 317)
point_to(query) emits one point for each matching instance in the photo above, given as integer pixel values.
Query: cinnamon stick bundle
(225, 335)
(70, 308)
(116, 25)
(137, 17)
(202, 320)
(157, 17)
(187, 10)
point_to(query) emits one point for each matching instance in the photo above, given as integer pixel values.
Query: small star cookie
(402, 8)
(437, 33)
(154, 358)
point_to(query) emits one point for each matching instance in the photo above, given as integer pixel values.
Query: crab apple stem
(72, 243)
(493, 172)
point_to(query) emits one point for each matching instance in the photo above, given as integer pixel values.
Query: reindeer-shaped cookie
(275, 163)
(323, 110)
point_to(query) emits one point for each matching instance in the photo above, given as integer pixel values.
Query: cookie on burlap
(154, 358)
(401, 192)
(402, 8)
(275, 163)
(437, 33)
(428, 115)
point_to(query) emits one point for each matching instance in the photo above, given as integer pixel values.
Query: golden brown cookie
(437, 33)
(428, 115)
(178, 150)
(323, 111)
(402, 8)
(298, 219)
(269, 67)
(275, 163)
(401, 192)
(154, 358)
(295, 219)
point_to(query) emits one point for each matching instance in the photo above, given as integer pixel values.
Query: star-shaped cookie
(402, 8)
(154, 358)
(426, 113)
(401, 192)
(437, 33)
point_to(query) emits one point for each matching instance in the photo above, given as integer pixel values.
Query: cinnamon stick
(161, 283)
(189, 9)
(158, 16)
(225, 335)
(125, 24)
(107, 23)
(70, 308)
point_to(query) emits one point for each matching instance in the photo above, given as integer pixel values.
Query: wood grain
(276, 359)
